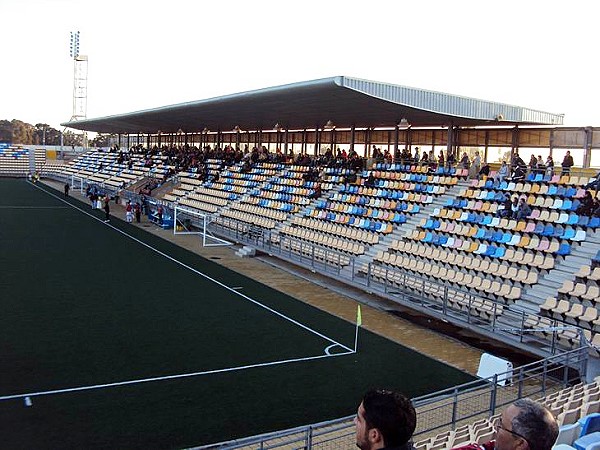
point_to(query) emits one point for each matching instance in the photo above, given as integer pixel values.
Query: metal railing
(439, 411)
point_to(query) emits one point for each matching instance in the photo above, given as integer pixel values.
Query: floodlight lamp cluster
(404, 124)
(329, 125)
(74, 45)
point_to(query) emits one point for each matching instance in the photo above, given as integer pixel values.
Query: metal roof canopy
(345, 101)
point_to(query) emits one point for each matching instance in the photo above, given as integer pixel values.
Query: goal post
(187, 221)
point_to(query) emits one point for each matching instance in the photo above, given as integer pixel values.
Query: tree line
(18, 132)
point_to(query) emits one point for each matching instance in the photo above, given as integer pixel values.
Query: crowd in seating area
(405, 219)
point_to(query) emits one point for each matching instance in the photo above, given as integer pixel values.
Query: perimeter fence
(439, 411)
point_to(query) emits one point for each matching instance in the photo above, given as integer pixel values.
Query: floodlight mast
(80, 69)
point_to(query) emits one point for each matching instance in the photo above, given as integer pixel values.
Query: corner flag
(358, 317)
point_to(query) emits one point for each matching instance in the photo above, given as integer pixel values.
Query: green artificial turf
(83, 304)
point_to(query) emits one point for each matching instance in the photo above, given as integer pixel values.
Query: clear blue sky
(145, 54)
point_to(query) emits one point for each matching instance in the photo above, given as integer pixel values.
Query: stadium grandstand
(396, 193)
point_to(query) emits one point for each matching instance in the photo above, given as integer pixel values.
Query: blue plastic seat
(500, 251)
(564, 249)
(539, 228)
(594, 222)
(548, 230)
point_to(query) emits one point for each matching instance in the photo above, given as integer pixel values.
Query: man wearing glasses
(524, 425)
(385, 420)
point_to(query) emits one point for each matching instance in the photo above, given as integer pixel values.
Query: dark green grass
(83, 304)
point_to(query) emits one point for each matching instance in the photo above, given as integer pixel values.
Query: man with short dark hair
(385, 420)
(524, 425)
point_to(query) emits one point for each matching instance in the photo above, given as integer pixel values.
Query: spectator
(567, 163)
(106, 205)
(370, 181)
(532, 164)
(524, 210)
(594, 183)
(514, 208)
(451, 160)
(138, 212)
(586, 205)
(505, 210)
(549, 166)
(484, 171)
(416, 158)
(523, 425)
(475, 166)
(596, 208)
(385, 419)
(441, 160)
(540, 166)
(502, 172)
(317, 191)
(465, 162)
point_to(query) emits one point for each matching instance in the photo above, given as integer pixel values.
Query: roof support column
(317, 141)
(486, 144)
(303, 147)
(333, 141)
(450, 143)
(286, 138)
(587, 151)
(148, 141)
(396, 139)
(515, 141)
(367, 143)
(352, 137)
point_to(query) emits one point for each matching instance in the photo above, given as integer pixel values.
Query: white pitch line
(168, 377)
(283, 316)
(34, 207)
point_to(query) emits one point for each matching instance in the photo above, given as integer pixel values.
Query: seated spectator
(484, 171)
(524, 425)
(594, 183)
(505, 210)
(518, 173)
(502, 173)
(596, 208)
(370, 181)
(385, 419)
(317, 192)
(524, 210)
(586, 205)
(514, 208)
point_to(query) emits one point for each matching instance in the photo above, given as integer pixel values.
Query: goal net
(187, 221)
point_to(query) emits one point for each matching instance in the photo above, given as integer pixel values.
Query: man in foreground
(524, 425)
(385, 420)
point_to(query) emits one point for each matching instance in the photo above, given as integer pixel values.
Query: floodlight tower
(80, 70)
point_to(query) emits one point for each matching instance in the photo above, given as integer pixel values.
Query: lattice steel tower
(80, 70)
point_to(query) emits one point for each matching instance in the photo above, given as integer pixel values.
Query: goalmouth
(186, 221)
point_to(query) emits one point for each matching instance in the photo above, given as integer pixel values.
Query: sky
(145, 54)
